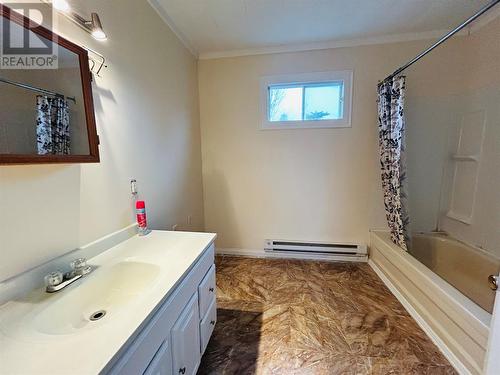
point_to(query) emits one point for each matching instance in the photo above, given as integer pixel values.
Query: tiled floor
(303, 317)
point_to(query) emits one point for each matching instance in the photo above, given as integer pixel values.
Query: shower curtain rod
(37, 89)
(442, 40)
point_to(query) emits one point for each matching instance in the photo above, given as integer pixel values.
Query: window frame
(315, 78)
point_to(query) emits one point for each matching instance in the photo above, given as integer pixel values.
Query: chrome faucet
(56, 281)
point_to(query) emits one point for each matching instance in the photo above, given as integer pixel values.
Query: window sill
(318, 124)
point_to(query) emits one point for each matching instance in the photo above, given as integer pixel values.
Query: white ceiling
(213, 28)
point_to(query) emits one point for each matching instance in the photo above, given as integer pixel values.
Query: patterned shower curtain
(391, 122)
(52, 126)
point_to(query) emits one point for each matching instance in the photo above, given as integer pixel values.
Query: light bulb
(99, 34)
(97, 31)
(61, 5)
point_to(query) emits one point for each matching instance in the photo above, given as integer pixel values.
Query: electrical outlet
(189, 220)
(174, 227)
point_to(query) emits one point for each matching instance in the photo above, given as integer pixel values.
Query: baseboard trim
(256, 253)
(454, 361)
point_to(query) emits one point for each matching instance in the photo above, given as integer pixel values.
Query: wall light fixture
(93, 26)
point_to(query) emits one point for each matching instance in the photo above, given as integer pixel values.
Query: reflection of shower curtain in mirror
(52, 126)
(391, 95)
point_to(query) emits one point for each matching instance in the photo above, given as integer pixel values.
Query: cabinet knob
(211, 289)
(212, 322)
(182, 370)
(493, 282)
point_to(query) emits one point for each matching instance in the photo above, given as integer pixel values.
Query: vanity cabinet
(172, 340)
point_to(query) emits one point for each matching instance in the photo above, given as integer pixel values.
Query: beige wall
(460, 78)
(482, 94)
(147, 117)
(432, 111)
(314, 184)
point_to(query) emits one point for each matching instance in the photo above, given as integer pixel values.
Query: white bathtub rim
(450, 356)
(479, 316)
(452, 302)
(429, 286)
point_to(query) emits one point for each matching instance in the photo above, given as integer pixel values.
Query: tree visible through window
(306, 102)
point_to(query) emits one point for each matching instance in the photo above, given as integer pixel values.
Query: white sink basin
(108, 289)
(43, 333)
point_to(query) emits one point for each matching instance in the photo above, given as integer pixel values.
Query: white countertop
(27, 351)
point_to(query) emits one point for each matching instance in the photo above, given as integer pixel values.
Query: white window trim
(305, 78)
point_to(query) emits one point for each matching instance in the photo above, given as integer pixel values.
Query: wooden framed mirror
(46, 105)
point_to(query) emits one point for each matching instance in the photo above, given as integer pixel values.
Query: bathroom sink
(96, 299)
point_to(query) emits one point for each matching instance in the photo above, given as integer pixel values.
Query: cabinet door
(162, 361)
(186, 340)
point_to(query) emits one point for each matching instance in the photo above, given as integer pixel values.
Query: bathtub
(464, 267)
(454, 313)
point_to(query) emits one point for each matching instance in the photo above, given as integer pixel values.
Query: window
(306, 102)
(310, 100)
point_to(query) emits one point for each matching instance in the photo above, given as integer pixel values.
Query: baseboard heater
(341, 251)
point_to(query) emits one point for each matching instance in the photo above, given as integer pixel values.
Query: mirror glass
(42, 99)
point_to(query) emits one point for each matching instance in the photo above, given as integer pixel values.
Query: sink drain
(97, 315)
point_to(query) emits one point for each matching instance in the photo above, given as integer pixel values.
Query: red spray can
(140, 209)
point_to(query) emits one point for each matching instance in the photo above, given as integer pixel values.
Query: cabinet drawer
(207, 325)
(206, 291)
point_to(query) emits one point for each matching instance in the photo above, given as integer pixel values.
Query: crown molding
(386, 39)
(155, 4)
(313, 46)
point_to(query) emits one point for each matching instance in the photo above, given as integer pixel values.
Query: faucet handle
(78, 263)
(54, 278)
(80, 267)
